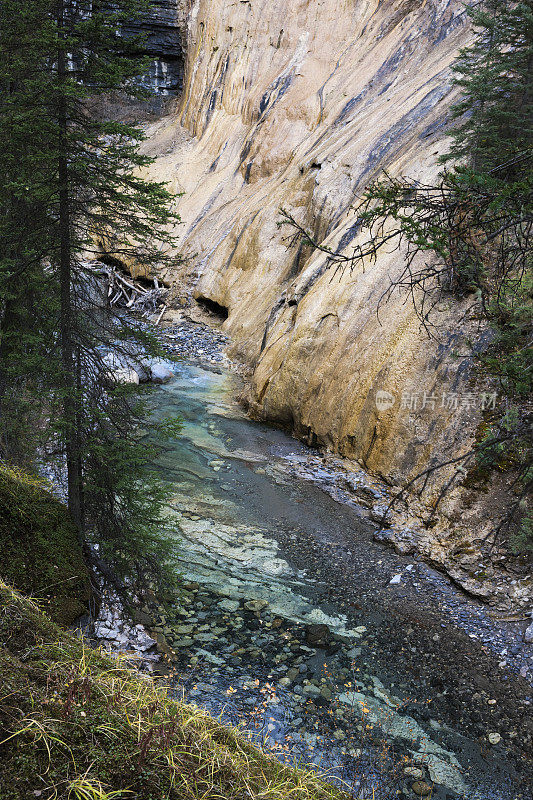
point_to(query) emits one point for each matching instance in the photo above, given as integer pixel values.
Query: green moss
(40, 552)
(75, 723)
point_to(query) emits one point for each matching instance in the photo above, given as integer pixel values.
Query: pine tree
(495, 113)
(25, 234)
(88, 192)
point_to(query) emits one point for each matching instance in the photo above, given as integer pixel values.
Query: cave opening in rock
(213, 307)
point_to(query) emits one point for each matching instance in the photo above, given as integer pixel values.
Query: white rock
(229, 605)
(494, 738)
(160, 372)
(119, 370)
(352, 698)
(125, 375)
(397, 579)
(528, 634)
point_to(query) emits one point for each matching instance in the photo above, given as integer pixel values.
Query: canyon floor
(294, 621)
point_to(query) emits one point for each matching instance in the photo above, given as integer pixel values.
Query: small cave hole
(213, 307)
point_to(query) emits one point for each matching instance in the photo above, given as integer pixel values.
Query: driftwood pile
(126, 292)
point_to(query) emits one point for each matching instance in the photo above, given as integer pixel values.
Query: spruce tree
(88, 194)
(494, 128)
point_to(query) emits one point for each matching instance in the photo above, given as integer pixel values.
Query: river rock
(229, 605)
(118, 371)
(421, 788)
(326, 693)
(311, 690)
(528, 634)
(352, 698)
(318, 635)
(413, 772)
(255, 605)
(205, 637)
(293, 673)
(160, 372)
(186, 641)
(212, 659)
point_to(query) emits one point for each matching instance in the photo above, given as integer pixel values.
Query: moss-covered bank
(75, 723)
(39, 549)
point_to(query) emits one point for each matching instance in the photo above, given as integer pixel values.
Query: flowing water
(270, 557)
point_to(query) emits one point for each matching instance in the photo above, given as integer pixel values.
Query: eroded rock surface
(163, 32)
(298, 104)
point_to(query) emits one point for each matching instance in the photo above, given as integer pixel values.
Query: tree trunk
(70, 401)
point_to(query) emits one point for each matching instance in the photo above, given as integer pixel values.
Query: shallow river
(289, 622)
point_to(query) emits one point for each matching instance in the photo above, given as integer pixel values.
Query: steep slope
(39, 546)
(298, 104)
(75, 723)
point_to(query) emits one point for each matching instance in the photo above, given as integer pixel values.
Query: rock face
(299, 104)
(163, 31)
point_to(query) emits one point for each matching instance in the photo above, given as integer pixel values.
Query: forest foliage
(73, 186)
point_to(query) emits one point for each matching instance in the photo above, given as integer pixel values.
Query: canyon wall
(163, 31)
(298, 104)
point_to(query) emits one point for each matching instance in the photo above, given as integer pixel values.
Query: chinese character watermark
(446, 401)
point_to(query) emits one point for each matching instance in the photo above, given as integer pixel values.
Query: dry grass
(76, 724)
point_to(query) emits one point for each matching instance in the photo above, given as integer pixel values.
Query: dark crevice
(213, 307)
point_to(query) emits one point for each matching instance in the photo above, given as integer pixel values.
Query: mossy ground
(75, 723)
(40, 552)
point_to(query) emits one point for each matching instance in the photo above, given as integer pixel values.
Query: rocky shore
(414, 662)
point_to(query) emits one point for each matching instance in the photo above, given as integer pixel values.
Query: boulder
(160, 372)
(318, 635)
(118, 370)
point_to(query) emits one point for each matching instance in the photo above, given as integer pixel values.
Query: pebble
(271, 649)
(229, 605)
(421, 788)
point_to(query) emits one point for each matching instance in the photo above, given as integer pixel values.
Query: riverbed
(293, 621)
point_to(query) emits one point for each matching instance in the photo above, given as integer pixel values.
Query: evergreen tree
(79, 179)
(25, 233)
(495, 113)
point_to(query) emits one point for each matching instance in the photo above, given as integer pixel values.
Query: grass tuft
(76, 724)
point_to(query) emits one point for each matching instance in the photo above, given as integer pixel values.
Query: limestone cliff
(298, 104)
